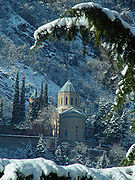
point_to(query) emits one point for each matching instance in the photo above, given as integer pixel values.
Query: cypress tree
(1, 109)
(41, 96)
(22, 99)
(36, 105)
(16, 104)
(46, 95)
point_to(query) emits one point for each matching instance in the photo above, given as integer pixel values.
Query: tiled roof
(68, 87)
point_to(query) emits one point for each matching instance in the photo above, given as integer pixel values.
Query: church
(70, 121)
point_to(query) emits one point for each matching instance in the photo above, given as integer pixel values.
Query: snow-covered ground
(37, 167)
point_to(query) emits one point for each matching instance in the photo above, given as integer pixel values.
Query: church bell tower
(67, 97)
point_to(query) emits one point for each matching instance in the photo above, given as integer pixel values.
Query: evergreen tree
(103, 161)
(16, 104)
(1, 109)
(124, 125)
(36, 105)
(41, 96)
(46, 95)
(41, 146)
(29, 153)
(130, 157)
(22, 99)
(59, 155)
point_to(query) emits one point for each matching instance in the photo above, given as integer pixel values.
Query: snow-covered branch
(104, 25)
(79, 15)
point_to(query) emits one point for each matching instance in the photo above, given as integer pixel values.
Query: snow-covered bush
(37, 169)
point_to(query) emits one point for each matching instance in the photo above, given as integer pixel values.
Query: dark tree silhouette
(46, 95)
(16, 104)
(22, 99)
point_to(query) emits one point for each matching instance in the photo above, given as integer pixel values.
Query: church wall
(72, 126)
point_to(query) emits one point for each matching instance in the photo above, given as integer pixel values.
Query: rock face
(55, 62)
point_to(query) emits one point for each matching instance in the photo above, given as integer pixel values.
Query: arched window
(76, 102)
(71, 101)
(66, 100)
(66, 133)
(61, 100)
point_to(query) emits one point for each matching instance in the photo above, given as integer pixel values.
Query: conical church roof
(68, 87)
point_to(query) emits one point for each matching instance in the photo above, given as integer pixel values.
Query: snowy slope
(54, 63)
(38, 167)
(33, 80)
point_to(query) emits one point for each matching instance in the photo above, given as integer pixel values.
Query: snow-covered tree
(61, 156)
(41, 149)
(116, 153)
(103, 161)
(43, 121)
(29, 150)
(41, 146)
(105, 26)
(130, 157)
(79, 154)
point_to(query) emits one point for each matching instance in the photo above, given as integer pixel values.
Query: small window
(65, 133)
(76, 101)
(71, 101)
(61, 100)
(66, 100)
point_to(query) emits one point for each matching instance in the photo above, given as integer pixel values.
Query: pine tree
(16, 104)
(58, 155)
(103, 161)
(41, 146)
(22, 99)
(46, 95)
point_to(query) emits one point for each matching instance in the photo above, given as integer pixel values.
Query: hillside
(54, 63)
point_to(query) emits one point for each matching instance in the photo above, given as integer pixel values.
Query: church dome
(67, 87)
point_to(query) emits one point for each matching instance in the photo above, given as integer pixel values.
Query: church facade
(70, 121)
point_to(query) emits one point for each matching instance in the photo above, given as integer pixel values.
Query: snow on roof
(67, 87)
(36, 167)
(72, 109)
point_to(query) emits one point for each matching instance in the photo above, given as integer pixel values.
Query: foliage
(16, 102)
(41, 146)
(18, 111)
(45, 95)
(116, 154)
(112, 129)
(103, 161)
(114, 33)
(22, 99)
(61, 156)
(41, 96)
(43, 120)
(1, 110)
(130, 157)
